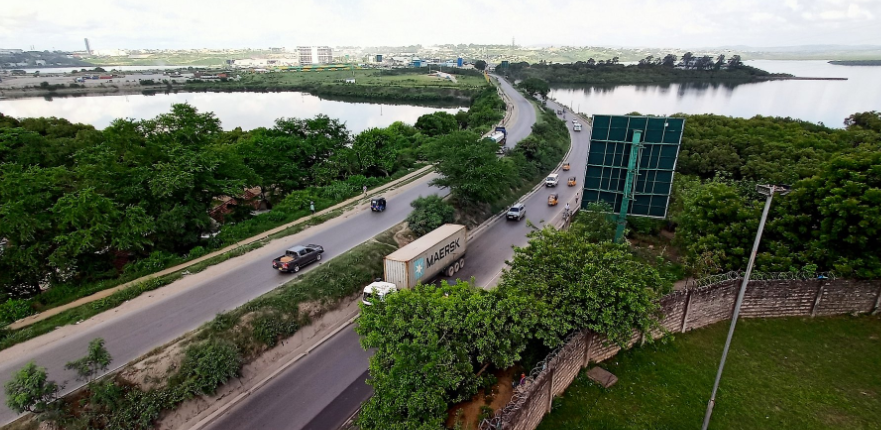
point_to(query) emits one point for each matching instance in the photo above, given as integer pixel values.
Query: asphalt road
(486, 258)
(130, 335)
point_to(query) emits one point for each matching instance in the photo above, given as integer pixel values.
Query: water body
(828, 102)
(245, 110)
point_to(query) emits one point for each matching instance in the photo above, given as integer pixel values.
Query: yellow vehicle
(571, 181)
(552, 199)
(565, 166)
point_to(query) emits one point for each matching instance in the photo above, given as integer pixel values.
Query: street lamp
(769, 191)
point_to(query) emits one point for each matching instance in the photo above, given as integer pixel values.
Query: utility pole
(769, 191)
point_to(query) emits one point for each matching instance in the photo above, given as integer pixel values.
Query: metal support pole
(628, 185)
(749, 268)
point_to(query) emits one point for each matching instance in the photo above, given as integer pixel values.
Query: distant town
(386, 56)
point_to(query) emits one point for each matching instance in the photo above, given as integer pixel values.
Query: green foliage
(535, 86)
(607, 73)
(470, 167)
(29, 390)
(595, 223)
(206, 366)
(437, 123)
(13, 310)
(432, 342)
(480, 64)
(574, 284)
(429, 342)
(429, 213)
(97, 360)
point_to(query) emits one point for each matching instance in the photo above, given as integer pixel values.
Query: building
(315, 55)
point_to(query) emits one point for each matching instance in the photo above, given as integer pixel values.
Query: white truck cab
(377, 290)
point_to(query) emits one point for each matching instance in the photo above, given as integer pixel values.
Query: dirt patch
(468, 414)
(153, 371)
(311, 309)
(473, 216)
(404, 236)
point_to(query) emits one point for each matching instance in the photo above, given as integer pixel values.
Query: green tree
(595, 223)
(535, 86)
(430, 345)
(571, 284)
(480, 65)
(29, 390)
(437, 123)
(429, 213)
(833, 219)
(375, 150)
(97, 360)
(864, 120)
(470, 167)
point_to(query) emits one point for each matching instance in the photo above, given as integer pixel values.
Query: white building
(315, 55)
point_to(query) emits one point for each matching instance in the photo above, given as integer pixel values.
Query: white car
(552, 180)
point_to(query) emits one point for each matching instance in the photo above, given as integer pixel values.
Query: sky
(182, 24)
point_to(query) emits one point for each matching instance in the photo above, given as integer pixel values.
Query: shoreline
(399, 98)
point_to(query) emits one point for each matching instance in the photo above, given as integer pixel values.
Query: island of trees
(650, 70)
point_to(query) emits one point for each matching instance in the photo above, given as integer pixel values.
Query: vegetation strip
(201, 263)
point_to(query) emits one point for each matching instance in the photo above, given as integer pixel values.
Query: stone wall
(682, 311)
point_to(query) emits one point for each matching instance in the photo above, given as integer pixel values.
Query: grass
(785, 373)
(415, 87)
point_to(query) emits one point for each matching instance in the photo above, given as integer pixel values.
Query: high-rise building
(315, 55)
(88, 48)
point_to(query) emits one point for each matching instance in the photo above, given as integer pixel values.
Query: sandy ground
(20, 86)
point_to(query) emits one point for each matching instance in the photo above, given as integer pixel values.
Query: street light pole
(767, 190)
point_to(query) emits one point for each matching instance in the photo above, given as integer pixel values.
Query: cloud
(133, 24)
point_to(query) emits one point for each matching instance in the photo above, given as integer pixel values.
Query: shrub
(206, 366)
(429, 213)
(14, 309)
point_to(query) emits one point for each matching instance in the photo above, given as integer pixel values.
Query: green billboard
(642, 187)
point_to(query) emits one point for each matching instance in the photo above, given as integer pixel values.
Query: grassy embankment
(792, 373)
(413, 86)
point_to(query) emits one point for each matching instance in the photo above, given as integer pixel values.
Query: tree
(535, 86)
(595, 223)
(571, 284)
(431, 343)
(669, 61)
(437, 123)
(833, 219)
(686, 59)
(97, 360)
(470, 167)
(864, 121)
(428, 214)
(29, 390)
(480, 65)
(375, 150)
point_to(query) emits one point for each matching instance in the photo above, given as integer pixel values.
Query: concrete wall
(682, 311)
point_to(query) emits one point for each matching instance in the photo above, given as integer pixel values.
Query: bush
(14, 309)
(157, 261)
(197, 252)
(206, 366)
(428, 214)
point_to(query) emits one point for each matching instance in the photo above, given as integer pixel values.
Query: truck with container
(499, 135)
(441, 251)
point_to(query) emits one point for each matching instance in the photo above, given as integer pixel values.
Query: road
(225, 286)
(272, 408)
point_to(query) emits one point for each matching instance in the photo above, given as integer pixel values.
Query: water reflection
(816, 101)
(245, 110)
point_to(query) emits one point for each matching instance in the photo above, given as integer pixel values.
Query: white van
(552, 180)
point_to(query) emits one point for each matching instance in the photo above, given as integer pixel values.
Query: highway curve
(321, 391)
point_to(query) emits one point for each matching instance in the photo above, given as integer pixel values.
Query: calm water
(245, 110)
(828, 102)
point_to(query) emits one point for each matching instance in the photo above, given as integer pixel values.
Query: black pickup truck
(298, 257)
